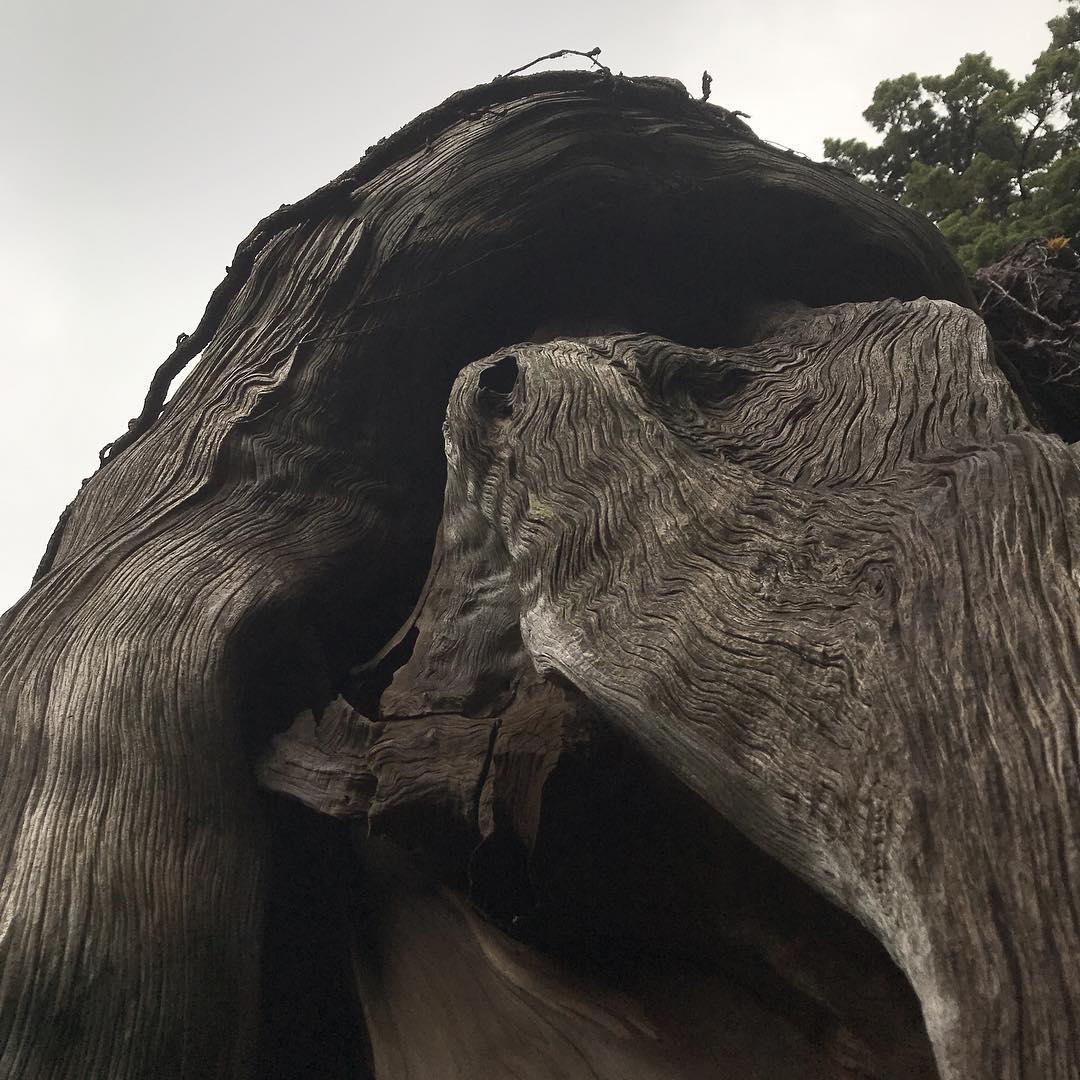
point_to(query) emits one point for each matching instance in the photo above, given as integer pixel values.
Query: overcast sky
(141, 142)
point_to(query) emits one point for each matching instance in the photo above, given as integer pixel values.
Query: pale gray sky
(142, 141)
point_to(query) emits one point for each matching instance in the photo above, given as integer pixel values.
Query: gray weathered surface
(838, 600)
(821, 583)
(807, 577)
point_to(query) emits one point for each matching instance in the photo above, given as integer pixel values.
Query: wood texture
(794, 573)
(765, 564)
(821, 586)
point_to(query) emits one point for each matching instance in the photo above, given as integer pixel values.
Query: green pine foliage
(991, 160)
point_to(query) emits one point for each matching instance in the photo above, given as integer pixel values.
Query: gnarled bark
(754, 587)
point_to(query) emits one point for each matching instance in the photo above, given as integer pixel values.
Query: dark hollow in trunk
(699, 701)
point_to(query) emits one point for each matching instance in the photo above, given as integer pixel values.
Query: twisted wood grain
(279, 513)
(829, 582)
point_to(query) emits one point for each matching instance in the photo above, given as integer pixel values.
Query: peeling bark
(741, 685)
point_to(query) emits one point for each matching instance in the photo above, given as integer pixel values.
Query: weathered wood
(828, 581)
(765, 564)
(495, 1007)
(822, 581)
(565, 824)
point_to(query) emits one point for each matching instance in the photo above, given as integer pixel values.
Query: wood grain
(828, 582)
(247, 543)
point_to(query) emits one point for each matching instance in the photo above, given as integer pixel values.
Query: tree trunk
(725, 726)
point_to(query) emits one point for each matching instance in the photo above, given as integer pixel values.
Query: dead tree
(699, 701)
(1030, 299)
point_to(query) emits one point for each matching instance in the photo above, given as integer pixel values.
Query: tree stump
(595, 609)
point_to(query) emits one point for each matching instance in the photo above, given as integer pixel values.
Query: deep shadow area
(633, 878)
(311, 1021)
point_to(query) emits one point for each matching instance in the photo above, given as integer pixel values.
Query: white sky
(141, 142)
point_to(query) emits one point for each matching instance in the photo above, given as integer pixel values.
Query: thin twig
(1067, 375)
(591, 56)
(1023, 307)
